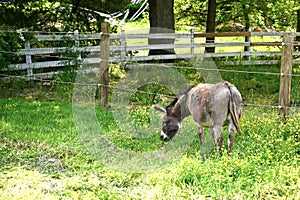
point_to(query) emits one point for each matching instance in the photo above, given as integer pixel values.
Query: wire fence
(129, 90)
(226, 70)
(35, 77)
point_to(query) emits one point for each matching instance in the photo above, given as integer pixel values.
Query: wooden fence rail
(126, 47)
(187, 45)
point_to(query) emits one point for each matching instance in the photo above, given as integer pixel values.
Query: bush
(10, 43)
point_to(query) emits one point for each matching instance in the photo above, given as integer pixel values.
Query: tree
(283, 14)
(190, 13)
(161, 16)
(34, 15)
(280, 15)
(58, 15)
(86, 13)
(298, 25)
(48, 15)
(210, 24)
(247, 22)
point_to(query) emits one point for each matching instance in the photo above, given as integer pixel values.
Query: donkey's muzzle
(164, 137)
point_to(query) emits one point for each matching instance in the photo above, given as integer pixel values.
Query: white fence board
(120, 49)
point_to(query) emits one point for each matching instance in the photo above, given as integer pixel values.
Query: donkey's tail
(235, 105)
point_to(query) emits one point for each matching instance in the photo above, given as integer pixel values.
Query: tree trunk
(298, 29)
(247, 24)
(161, 18)
(210, 24)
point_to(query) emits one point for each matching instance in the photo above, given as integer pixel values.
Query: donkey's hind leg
(217, 133)
(231, 137)
(201, 135)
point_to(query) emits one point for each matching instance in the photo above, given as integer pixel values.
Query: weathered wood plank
(286, 71)
(267, 33)
(38, 65)
(266, 44)
(225, 34)
(252, 62)
(104, 65)
(145, 47)
(71, 36)
(43, 51)
(54, 37)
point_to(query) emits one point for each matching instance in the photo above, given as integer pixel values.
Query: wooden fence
(126, 47)
(50, 53)
(134, 47)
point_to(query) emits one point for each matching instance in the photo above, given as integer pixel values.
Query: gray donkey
(211, 105)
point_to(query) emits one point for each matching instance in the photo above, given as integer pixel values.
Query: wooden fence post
(192, 41)
(123, 49)
(286, 71)
(248, 48)
(28, 59)
(77, 45)
(104, 65)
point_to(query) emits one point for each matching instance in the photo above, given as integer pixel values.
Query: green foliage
(40, 146)
(133, 8)
(286, 19)
(295, 91)
(58, 15)
(279, 15)
(82, 15)
(190, 13)
(64, 90)
(259, 88)
(33, 15)
(10, 44)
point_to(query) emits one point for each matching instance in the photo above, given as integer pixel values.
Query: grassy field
(42, 157)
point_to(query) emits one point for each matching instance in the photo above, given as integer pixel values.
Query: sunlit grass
(42, 157)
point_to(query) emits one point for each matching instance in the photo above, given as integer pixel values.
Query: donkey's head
(171, 120)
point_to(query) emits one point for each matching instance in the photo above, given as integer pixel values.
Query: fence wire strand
(226, 70)
(131, 90)
(167, 66)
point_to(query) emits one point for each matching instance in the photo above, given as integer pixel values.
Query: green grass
(42, 157)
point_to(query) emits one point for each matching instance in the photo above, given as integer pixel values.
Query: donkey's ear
(160, 109)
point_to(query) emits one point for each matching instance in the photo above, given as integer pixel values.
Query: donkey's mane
(178, 96)
(186, 91)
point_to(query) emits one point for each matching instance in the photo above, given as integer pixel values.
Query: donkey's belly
(206, 124)
(203, 121)
(207, 121)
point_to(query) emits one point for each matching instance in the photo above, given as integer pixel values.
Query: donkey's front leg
(201, 135)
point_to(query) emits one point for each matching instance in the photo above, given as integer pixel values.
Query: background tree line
(167, 15)
(68, 15)
(278, 15)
